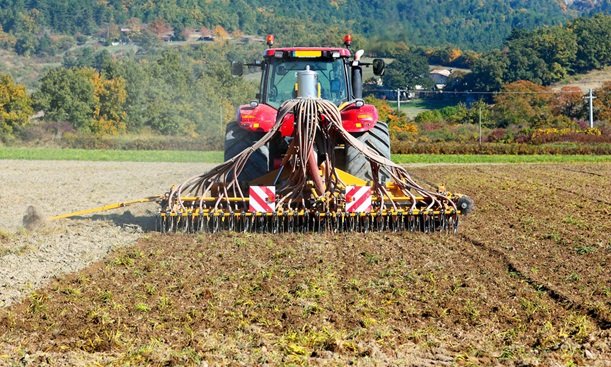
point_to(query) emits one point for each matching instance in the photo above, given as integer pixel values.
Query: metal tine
(243, 220)
(184, 222)
(322, 224)
(200, 223)
(172, 226)
(159, 224)
(231, 222)
(275, 223)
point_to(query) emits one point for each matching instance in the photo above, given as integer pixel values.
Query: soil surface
(29, 259)
(525, 282)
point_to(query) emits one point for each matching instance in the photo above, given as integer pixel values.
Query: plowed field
(525, 282)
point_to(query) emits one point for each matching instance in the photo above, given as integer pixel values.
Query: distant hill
(469, 24)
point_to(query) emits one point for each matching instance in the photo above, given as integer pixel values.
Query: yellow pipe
(106, 207)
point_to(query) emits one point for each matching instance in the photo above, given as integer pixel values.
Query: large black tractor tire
(378, 139)
(236, 141)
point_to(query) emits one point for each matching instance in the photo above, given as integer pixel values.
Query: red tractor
(339, 81)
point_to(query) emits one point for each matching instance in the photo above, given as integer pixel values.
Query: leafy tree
(543, 57)
(83, 97)
(450, 114)
(524, 103)
(408, 70)
(593, 42)
(479, 110)
(25, 44)
(45, 46)
(488, 73)
(15, 105)
(67, 95)
(429, 116)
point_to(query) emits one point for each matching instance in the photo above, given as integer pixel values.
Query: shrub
(403, 147)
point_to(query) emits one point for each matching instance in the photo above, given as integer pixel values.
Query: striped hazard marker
(358, 199)
(262, 199)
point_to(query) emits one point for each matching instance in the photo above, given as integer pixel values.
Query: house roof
(444, 72)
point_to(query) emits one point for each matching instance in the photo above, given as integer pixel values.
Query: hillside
(483, 25)
(591, 80)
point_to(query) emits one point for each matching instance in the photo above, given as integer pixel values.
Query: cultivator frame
(198, 214)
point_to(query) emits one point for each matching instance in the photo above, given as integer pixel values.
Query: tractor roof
(307, 51)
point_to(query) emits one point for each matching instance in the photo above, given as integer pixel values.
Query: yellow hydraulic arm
(104, 208)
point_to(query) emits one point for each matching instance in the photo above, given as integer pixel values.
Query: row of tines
(307, 222)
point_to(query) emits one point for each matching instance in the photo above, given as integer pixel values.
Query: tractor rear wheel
(378, 139)
(236, 141)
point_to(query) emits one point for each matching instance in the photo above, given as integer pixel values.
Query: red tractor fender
(261, 118)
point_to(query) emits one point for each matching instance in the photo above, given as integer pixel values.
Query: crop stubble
(526, 281)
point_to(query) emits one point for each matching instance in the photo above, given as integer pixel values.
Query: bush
(155, 142)
(401, 147)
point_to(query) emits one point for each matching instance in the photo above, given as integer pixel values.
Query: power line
(467, 92)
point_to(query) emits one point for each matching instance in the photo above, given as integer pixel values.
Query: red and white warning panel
(358, 199)
(262, 199)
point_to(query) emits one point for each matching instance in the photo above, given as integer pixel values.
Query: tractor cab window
(282, 77)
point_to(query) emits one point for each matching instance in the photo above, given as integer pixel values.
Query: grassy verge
(497, 158)
(415, 106)
(217, 156)
(110, 155)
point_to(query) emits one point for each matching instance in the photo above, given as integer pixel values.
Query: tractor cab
(280, 69)
(339, 76)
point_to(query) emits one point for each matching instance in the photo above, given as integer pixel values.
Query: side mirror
(378, 67)
(237, 68)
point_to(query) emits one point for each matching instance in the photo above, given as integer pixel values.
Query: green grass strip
(111, 155)
(496, 158)
(217, 157)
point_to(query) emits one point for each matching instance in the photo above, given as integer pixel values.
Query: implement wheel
(378, 139)
(236, 141)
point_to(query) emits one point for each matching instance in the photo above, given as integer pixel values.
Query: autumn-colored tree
(569, 102)
(525, 104)
(134, 25)
(220, 33)
(15, 105)
(159, 28)
(109, 96)
(602, 103)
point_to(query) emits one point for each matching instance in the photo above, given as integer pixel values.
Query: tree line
(40, 27)
(186, 92)
(543, 56)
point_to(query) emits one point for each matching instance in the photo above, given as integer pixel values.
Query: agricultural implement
(308, 155)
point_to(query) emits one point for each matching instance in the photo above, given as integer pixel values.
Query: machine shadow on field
(145, 221)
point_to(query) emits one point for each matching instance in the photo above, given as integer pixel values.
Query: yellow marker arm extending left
(104, 208)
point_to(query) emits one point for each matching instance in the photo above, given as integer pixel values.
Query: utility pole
(590, 97)
(480, 123)
(221, 118)
(398, 101)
